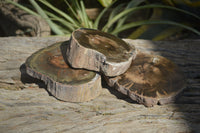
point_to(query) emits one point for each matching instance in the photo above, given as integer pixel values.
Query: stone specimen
(150, 80)
(63, 82)
(98, 51)
(147, 79)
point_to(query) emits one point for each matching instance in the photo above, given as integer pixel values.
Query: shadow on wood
(16, 114)
(25, 78)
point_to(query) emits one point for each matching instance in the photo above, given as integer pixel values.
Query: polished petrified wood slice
(63, 82)
(98, 51)
(150, 80)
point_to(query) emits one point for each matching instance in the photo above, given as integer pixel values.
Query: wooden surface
(150, 80)
(98, 51)
(17, 22)
(62, 81)
(25, 106)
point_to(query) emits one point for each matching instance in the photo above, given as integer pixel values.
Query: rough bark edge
(95, 60)
(146, 101)
(70, 93)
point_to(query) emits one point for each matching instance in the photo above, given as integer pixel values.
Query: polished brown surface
(58, 61)
(151, 77)
(115, 49)
(49, 61)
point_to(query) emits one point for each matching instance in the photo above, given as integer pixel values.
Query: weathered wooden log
(33, 110)
(98, 51)
(63, 82)
(17, 22)
(150, 80)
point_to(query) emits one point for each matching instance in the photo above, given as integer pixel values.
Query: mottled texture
(30, 109)
(63, 82)
(115, 49)
(98, 51)
(150, 80)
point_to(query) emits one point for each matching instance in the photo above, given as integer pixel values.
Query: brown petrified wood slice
(62, 81)
(98, 51)
(150, 80)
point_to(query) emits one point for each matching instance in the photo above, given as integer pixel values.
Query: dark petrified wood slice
(99, 51)
(150, 80)
(63, 82)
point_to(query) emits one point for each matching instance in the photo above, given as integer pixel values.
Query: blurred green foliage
(147, 19)
(105, 3)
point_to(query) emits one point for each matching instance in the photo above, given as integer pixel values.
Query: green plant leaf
(131, 4)
(22, 7)
(135, 24)
(85, 17)
(53, 26)
(71, 9)
(126, 12)
(115, 11)
(96, 23)
(65, 31)
(80, 15)
(167, 33)
(67, 17)
(105, 3)
(62, 21)
(139, 31)
(134, 3)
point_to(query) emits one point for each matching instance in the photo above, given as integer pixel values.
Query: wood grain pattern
(63, 82)
(150, 80)
(184, 53)
(98, 51)
(25, 106)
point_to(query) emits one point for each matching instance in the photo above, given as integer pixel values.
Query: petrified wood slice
(150, 80)
(63, 82)
(98, 51)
